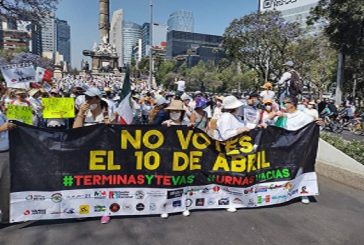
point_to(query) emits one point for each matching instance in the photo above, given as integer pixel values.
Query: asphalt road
(336, 218)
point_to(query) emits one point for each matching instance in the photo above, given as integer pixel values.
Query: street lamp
(150, 80)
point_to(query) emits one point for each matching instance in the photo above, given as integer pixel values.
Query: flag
(125, 110)
(43, 75)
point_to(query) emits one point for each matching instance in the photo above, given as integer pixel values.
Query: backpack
(296, 84)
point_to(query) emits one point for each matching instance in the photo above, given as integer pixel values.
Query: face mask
(175, 115)
(93, 107)
(268, 108)
(218, 104)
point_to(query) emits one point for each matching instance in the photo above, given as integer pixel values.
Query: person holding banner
(4, 127)
(93, 111)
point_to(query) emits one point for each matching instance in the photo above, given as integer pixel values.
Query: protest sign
(18, 75)
(142, 170)
(20, 113)
(58, 107)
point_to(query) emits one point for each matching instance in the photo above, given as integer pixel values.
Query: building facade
(63, 42)
(132, 32)
(292, 11)
(159, 37)
(116, 34)
(49, 35)
(181, 20)
(194, 47)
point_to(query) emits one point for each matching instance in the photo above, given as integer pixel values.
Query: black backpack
(296, 84)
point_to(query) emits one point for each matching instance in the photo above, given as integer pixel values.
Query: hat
(107, 89)
(20, 91)
(92, 92)
(197, 93)
(161, 101)
(221, 98)
(33, 91)
(267, 101)
(176, 105)
(289, 63)
(231, 102)
(267, 85)
(185, 96)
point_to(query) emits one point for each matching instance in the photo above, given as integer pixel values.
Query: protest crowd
(222, 116)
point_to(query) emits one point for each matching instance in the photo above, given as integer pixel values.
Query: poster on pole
(147, 170)
(58, 107)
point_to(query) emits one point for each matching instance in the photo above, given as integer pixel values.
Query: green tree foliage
(260, 41)
(30, 10)
(316, 61)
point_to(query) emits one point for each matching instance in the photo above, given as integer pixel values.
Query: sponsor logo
(232, 192)
(139, 194)
(119, 194)
(175, 194)
(189, 202)
(126, 206)
(237, 201)
(261, 189)
(100, 194)
(84, 209)
(205, 190)
(288, 186)
(140, 207)
(304, 190)
(35, 198)
(224, 201)
(156, 193)
(69, 211)
(152, 206)
(211, 201)
(114, 207)
(99, 208)
(177, 203)
(164, 206)
(249, 190)
(35, 212)
(56, 197)
(279, 197)
(292, 192)
(76, 196)
(265, 199)
(200, 202)
(251, 203)
(88, 196)
(273, 186)
(216, 189)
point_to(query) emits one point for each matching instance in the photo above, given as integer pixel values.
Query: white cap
(161, 100)
(92, 92)
(185, 96)
(231, 102)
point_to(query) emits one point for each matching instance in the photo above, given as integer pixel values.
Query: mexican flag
(125, 110)
(43, 75)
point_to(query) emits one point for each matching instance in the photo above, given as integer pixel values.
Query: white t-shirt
(181, 85)
(4, 136)
(267, 94)
(297, 120)
(227, 126)
(312, 112)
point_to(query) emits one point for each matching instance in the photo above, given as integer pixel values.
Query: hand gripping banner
(142, 170)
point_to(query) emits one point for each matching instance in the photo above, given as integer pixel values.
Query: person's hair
(104, 104)
(153, 113)
(229, 110)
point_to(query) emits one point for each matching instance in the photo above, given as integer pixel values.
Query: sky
(211, 17)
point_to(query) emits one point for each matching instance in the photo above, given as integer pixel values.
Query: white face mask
(93, 107)
(175, 115)
(268, 108)
(310, 106)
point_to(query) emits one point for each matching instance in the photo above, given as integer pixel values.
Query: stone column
(104, 23)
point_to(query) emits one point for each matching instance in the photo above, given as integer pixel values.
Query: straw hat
(267, 85)
(231, 102)
(267, 101)
(176, 105)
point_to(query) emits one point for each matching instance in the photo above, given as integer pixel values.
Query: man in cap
(286, 81)
(251, 111)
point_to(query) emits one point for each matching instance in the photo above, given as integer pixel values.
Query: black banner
(155, 157)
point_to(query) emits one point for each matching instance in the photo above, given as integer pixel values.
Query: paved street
(336, 218)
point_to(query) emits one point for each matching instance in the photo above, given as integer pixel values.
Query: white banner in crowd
(18, 75)
(282, 5)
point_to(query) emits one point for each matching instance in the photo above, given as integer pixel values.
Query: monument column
(104, 24)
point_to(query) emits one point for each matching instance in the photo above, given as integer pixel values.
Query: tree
(315, 59)
(260, 42)
(33, 10)
(345, 29)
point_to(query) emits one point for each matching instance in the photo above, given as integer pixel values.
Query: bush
(353, 148)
